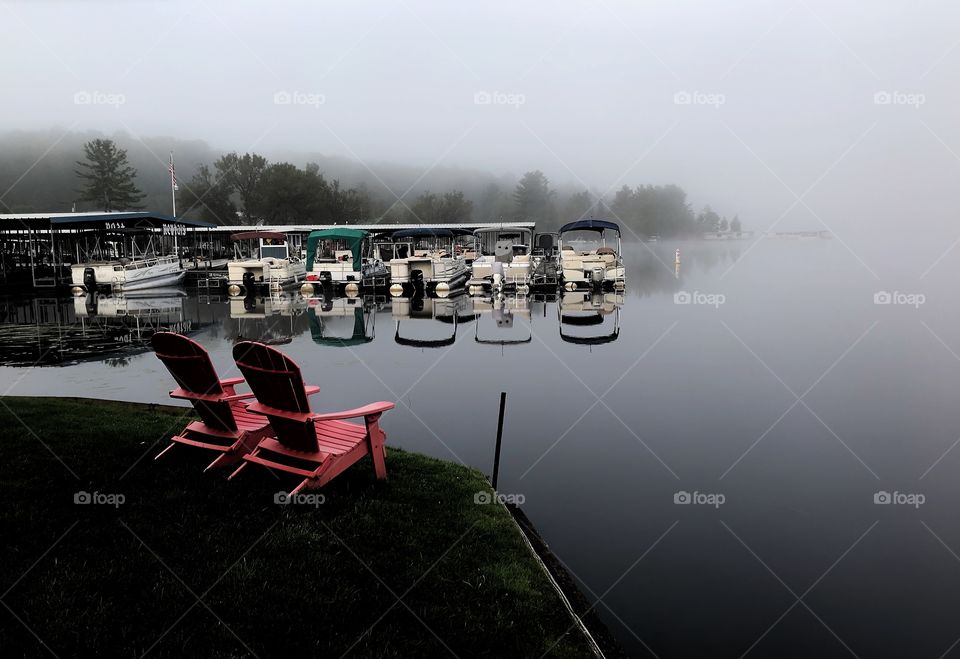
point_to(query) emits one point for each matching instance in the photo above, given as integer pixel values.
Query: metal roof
(92, 218)
(376, 228)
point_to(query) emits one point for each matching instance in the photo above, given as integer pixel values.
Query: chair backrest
(190, 366)
(276, 381)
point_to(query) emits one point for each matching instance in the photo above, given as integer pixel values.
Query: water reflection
(498, 313)
(271, 319)
(588, 314)
(53, 332)
(345, 321)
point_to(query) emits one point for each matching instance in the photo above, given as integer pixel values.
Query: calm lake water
(774, 393)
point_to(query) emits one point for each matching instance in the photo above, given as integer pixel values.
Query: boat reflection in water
(92, 327)
(421, 312)
(344, 321)
(495, 316)
(588, 312)
(270, 319)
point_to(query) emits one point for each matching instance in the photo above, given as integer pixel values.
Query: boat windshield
(273, 251)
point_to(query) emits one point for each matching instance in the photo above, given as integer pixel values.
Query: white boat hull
(125, 277)
(270, 274)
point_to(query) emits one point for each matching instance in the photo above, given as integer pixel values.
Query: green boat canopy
(353, 237)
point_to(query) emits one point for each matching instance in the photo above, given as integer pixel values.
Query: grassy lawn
(191, 565)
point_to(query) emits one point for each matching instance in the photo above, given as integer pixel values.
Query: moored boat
(425, 259)
(270, 267)
(584, 264)
(343, 259)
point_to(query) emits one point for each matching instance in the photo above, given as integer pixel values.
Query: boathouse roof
(92, 220)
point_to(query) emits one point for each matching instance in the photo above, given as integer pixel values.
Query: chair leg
(302, 486)
(223, 460)
(375, 442)
(164, 451)
(238, 470)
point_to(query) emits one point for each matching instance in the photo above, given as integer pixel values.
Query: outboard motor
(416, 278)
(249, 282)
(91, 303)
(90, 279)
(497, 276)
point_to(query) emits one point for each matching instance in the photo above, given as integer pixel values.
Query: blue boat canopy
(590, 225)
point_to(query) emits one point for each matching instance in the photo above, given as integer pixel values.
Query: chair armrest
(366, 410)
(311, 390)
(230, 382)
(208, 398)
(239, 397)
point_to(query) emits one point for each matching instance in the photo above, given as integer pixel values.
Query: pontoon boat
(599, 266)
(270, 267)
(424, 259)
(343, 259)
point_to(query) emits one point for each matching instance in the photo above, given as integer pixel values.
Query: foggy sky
(792, 87)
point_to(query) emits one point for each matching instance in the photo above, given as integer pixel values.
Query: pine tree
(108, 177)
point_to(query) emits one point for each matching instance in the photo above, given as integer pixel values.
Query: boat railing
(146, 263)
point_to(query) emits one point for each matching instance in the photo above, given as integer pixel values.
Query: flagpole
(173, 202)
(173, 186)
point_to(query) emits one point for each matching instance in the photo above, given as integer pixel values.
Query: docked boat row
(489, 259)
(405, 261)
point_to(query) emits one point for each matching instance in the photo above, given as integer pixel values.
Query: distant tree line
(248, 189)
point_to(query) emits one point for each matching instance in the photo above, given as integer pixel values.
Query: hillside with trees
(51, 171)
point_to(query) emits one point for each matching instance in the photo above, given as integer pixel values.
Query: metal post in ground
(496, 456)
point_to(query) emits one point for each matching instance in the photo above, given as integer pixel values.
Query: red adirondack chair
(315, 446)
(225, 426)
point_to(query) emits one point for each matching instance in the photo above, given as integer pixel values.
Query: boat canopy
(353, 237)
(423, 232)
(590, 225)
(259, 235)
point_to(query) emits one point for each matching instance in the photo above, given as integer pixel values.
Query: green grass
(97, 580)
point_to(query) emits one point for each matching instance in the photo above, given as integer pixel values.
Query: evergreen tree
(108, 177)
(534, 199)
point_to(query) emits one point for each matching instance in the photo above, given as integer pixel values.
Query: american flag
(173, 174)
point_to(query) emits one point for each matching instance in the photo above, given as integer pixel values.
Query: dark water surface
(782, 397)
